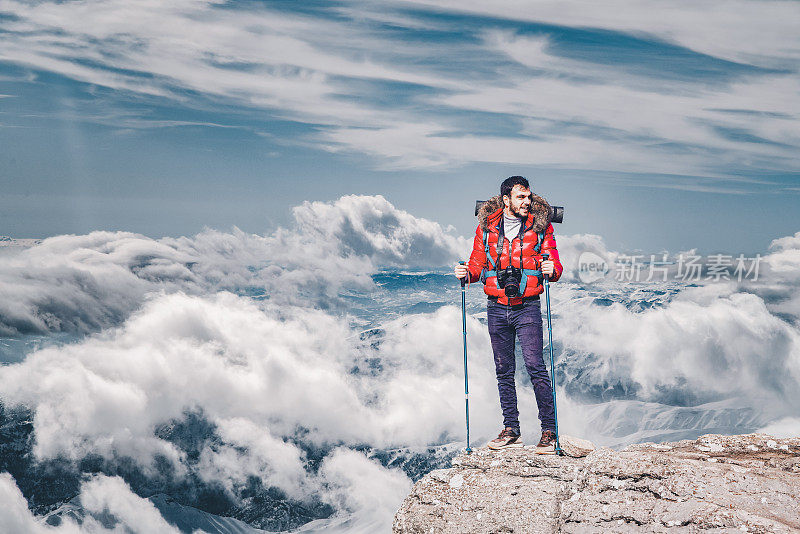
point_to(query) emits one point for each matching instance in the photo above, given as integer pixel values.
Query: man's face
(519, 201)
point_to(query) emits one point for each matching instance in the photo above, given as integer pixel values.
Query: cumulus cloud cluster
(718, 356)
(698, 346)
(781, 290)
(260, 372)
(84, 283)
(259, 379)
(272, 377)
(255, 373)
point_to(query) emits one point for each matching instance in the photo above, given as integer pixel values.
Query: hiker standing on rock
(513, 234)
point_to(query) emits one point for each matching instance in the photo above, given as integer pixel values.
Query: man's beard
(517, 214)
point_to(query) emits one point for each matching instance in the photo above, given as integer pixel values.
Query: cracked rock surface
(747, 483)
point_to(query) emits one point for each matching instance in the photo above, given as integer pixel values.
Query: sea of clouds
(253, 334)
(83, 283)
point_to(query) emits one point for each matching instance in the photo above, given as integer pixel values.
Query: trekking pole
(546, 279)
(464, 329)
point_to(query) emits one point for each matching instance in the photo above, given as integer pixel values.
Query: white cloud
(372, 227)
(718, 340)
(258, 378)
(781, 286)
(260, 371)
(249, 449)
(365, 488)
(14, 514)
(785, 257)
(194, 45)
(788, 427)
(277, 368)
(659, 112)
(319, 69)
(99, 495)
(575, 113)
(112, 495)
(84, 283)
(758, 32)
(730, 346)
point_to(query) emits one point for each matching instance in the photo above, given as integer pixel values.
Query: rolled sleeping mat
(558, 211)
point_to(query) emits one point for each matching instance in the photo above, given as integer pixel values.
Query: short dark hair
(509, 183)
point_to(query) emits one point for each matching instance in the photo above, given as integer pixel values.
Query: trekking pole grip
(545, 257)
(463, 280)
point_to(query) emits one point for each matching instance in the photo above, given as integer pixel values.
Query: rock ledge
(747, 483)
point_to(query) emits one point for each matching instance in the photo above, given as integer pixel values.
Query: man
(515, 231)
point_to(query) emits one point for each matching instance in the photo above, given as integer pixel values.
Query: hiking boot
(547, 445)
(508, 438)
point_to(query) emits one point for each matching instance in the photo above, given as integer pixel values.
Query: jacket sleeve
(549, 246)
(478, 257)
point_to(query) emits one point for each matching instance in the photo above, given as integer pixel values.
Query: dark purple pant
(523, 320)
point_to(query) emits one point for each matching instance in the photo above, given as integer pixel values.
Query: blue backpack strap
(486, 273)
(486, 249)
(531, 272)
(525, 274)
(538, 246)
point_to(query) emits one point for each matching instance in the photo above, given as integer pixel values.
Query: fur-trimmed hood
(541, 212)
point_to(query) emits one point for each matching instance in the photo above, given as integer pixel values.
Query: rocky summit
(746, 483)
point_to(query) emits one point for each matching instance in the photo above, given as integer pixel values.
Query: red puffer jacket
(538, 221)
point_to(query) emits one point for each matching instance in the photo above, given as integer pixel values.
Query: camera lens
(512, 288)
(513, 278)
(508, 280)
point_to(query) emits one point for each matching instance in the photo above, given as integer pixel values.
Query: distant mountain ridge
(185, 518)
(7, 241)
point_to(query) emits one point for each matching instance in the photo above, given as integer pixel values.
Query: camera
(508, 280)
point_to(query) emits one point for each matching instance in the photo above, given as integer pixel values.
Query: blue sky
(658, 126)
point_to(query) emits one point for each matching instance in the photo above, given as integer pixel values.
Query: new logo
(591, 267)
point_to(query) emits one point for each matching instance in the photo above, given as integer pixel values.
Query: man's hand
(460, 271)
(548, 267)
